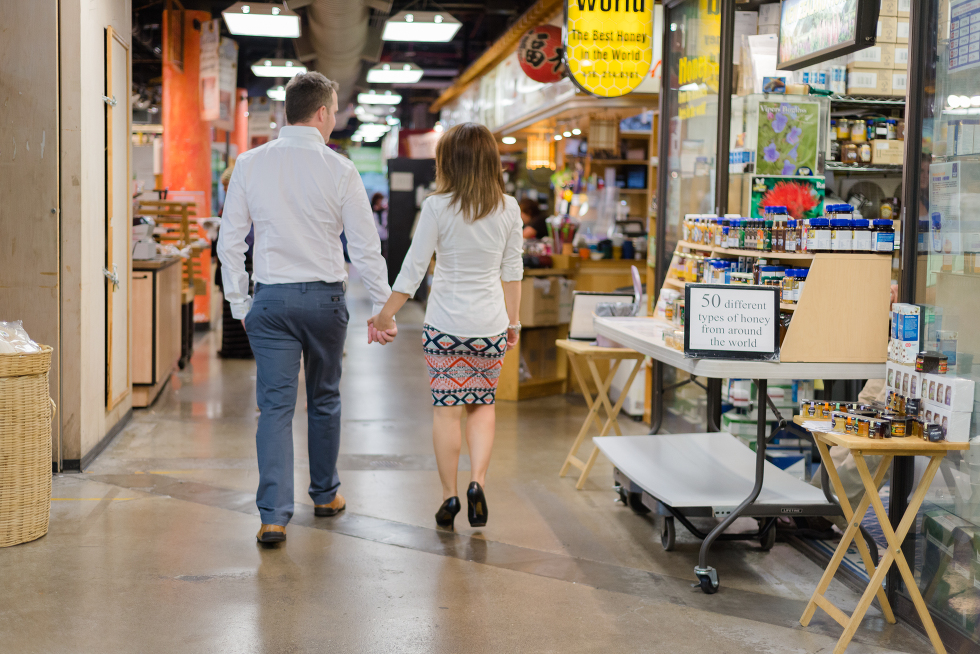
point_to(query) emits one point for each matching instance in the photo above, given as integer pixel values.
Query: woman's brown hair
(468, 170)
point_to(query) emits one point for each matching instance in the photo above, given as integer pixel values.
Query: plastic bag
(14, 340)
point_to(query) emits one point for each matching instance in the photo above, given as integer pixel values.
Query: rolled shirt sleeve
(416, 262)
(512, 263)
(363, 242)
(235, 225)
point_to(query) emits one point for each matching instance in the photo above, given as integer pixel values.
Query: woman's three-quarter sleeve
(416, 262)
(512, 264)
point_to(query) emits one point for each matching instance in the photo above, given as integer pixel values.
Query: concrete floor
(152, 549)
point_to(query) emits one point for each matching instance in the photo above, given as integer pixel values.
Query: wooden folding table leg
(850, 533)
(895, 539)
(611, 414)
(603, 387)
(845, 504)
(572, 457)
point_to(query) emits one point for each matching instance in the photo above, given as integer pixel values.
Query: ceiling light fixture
(576, 131)
(277, 68)
(373, 97)
(557, 137)
(509, 140)
(566, 134)
(428, 26)
(392, 73)
(261, 19)
(277, 93)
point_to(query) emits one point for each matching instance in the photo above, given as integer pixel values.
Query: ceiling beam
(541, 12)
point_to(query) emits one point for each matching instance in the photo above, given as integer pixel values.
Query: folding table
(645, 336)
(579, 352)
(887, 448)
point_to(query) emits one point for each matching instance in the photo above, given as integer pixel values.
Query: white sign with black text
(731, 322)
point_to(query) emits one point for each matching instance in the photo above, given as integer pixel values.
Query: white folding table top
(702, 470)
(645, 336)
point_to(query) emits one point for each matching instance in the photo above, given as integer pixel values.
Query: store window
(947, 540)
(693, 52)
(692, 106)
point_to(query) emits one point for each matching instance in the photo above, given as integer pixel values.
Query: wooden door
(118, 225)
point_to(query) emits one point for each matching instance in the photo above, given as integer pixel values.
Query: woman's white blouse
(472, 258)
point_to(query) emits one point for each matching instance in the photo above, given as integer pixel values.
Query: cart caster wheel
(635, 502)
(707, 586)
(623, 495)
(767, 541)
(668, 535)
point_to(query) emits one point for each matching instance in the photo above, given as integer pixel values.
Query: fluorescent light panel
(277, 68)
(262, 19)
(277, 93)
(394, 73)
(379, 98)
(429, 26)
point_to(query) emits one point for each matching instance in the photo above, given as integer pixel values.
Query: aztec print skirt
(462, 370)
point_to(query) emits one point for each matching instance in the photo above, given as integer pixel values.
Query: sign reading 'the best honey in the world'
(608, 44)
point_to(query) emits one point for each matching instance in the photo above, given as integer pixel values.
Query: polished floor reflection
(152, 549)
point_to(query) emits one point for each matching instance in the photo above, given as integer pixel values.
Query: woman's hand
(385, 333)
(512, 336)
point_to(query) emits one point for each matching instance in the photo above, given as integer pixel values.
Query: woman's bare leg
(480, 425)
(447, 441)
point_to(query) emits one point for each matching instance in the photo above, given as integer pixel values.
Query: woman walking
(471, 319)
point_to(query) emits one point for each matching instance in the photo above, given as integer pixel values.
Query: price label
(732, 322)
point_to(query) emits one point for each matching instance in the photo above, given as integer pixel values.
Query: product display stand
(577, 353)
(793, 497)
(887, 448)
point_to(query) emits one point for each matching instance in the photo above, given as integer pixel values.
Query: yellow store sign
(608, 44)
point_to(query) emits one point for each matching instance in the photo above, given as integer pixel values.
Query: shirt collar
(301, 132)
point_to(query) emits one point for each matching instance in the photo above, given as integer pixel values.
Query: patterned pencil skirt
(462, 370)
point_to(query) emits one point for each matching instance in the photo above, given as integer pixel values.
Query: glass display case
(946, 551)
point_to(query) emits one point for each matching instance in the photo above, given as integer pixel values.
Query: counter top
(154, 264)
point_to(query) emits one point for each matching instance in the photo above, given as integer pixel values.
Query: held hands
(381, 329)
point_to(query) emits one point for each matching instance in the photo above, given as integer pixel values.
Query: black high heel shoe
(477, 501)
(447, 512)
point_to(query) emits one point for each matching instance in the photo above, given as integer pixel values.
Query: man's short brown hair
(306, 93)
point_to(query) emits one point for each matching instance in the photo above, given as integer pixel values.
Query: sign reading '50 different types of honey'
(608, 44)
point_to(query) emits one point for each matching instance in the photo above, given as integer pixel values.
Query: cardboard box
(901, 57)
(769, 29)
(904, 8)
(887, 29)
(539, 301)
(953, 393)
(566, 296)
(902, 30)
(769, 14)
(864, 81)
(900, 84)
(540, 353)
(877, 56)
(887, 152)
(888, 8)
(955, 424)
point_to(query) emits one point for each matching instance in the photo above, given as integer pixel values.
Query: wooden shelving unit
(842, 315)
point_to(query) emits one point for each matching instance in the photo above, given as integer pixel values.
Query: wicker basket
(26, 411)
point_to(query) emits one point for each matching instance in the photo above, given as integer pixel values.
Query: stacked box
(888, 30)
(906, 333)
(869, 81)
(947, 400)
(877, 56)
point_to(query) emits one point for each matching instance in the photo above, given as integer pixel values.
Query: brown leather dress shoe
(327, 510)
(269, 534)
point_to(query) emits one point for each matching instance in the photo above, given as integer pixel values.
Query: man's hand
(512, 336)
(243, 325)
(378, 335)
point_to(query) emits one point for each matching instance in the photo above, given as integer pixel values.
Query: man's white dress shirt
(472, 258)
(300, 195)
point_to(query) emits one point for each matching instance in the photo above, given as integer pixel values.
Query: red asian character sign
(540, 54)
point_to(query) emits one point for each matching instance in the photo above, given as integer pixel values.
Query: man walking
(300, 195)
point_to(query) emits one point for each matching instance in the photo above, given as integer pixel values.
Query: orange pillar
(240, 136)
(187, 138)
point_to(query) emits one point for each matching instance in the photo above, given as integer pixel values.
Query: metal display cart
(710, 474)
